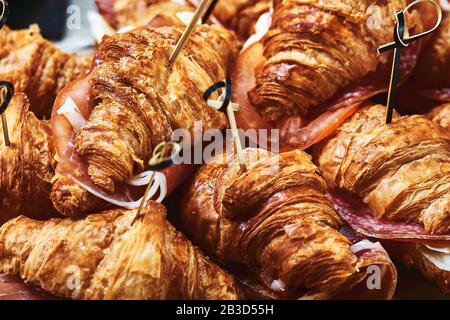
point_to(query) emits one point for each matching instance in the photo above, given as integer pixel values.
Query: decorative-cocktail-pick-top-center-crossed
(402, 39)
(224, 104)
